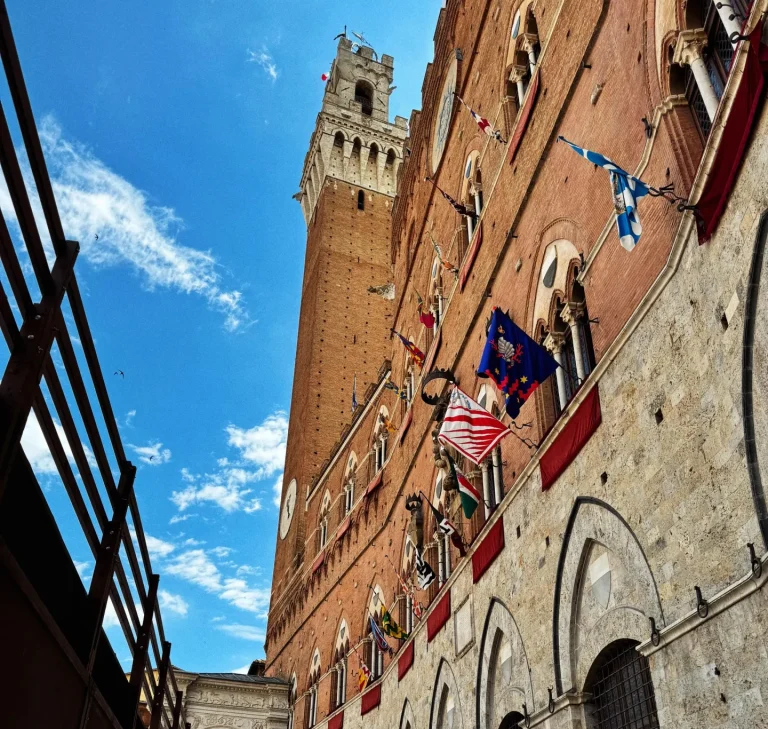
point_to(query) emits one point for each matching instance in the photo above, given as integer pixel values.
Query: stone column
(383, 439)
(446, 557)
(529, 41)
(440, 564)
(487, 496)
(689, 52)
(572, 315)
(516, 76)
(554, 343)
(727, 12)
(498, 486)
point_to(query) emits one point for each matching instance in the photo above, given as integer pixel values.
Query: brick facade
(659, 500)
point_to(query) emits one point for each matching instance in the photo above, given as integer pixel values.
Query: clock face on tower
(289, 506)
(443, 119)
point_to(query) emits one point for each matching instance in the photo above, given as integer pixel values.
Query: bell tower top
(354, 140)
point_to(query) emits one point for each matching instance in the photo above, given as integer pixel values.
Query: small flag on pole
(427, 318)
(444, 525)
(439, 253)
(483, 123)
(364, 676)
(514, 361)
(469, 495)
(627, 190)
(416, 354)
(470, 428)
(378, 636)
(390, 627)
(457, 206)
(424, 573)
(400, 392)
(354, 393)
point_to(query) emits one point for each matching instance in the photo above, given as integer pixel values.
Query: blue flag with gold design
(514, 361)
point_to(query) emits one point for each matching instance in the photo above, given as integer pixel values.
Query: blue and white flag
(354, 394)
(627, 190)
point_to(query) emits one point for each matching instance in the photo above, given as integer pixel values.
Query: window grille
(622, 691)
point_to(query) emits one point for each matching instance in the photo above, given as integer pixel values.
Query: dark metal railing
(121, 556)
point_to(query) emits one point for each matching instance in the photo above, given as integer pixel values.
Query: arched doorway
(622, 689)
(513, 720)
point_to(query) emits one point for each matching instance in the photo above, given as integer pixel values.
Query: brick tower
(347, 190)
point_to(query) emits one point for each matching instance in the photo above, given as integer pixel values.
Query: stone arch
(604, 590)
(503, 675)
(444, 692)
(406, 716)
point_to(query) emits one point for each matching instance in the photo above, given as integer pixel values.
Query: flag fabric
(514, 361)
(416, 354)
(627, 190)
(399, 391)
(439, 253)
(469, 495)
(470, 428)
(483, 123)
(388, 424)
(417, 607)
(390, 627)
(378, 636)
(424, 573)
(457, 206)
(325, 76)
(458, 542)
(444, 525)
(354, 393)
(427, 318)
(364, 676)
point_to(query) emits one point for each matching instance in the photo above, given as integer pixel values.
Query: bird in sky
(151, 457)
(96, 236)
(121, 373)
(342, 35)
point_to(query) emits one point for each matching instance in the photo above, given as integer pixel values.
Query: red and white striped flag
(470, 428)
(483, 123)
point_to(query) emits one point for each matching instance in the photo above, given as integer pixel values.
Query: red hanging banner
(371, 699)
(439, 616)
(477, 241)
(525, 115)
(405, 661)
(571, 440)
(488, 550)
(337, 721)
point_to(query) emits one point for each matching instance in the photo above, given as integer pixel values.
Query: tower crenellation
(354, 141)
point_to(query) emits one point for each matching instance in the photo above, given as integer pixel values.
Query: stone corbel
(689, 46)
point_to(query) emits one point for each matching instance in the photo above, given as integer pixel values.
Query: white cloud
(157, 547)
(244, 632)
(83, 569)
(195, 543)
(225, 489)
(244, 670)
(173, 603)
(181, 517)
(153, 454)
(95, 201)
(277, 491)
(264, 59)
(36, 448)
(130, 415)
(246, 569)
(221, 551)
(195, 566)
(263, 445)
(110, 616)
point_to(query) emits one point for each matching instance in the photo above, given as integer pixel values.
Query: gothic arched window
(622, 690)
(324, 511)
(364, 97)
(349, 483)
(493, 485)
(361, 200)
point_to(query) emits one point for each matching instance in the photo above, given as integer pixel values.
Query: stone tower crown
(353, 139)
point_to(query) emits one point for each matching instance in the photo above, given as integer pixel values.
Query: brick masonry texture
(657, 502)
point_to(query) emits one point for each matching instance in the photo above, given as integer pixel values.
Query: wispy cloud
(263, 445)
(244, 669)
(196, 567)
(176, 519)
(244, 632)
(277, 491)
(264, 59)
(152, 454)
(173, 603)
(117, 224)
(261, 454)
(221, 551)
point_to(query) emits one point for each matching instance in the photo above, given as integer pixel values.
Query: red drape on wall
(439, 616)
(477, 241)
(405, 661)
(373, 485)
(733, 143)
(571, 440)
(404, 426)
(488, 550)
(336, 722)
(344, 527)
(318, 563)
(525, 115)
(371, 699)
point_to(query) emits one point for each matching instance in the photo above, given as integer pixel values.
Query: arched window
(513, 720)
(373, 654)
(339, 683)
(310, 707)
(349, 483)
(471, 198)
(364, 97)
(380, 437)
(409, 560)
(443, 540)
(324, 511)
(361, 200)
(447, 710)
(291, 700)
(522, 56)
(622, 690)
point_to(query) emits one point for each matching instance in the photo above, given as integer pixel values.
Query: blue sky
(176, 132)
